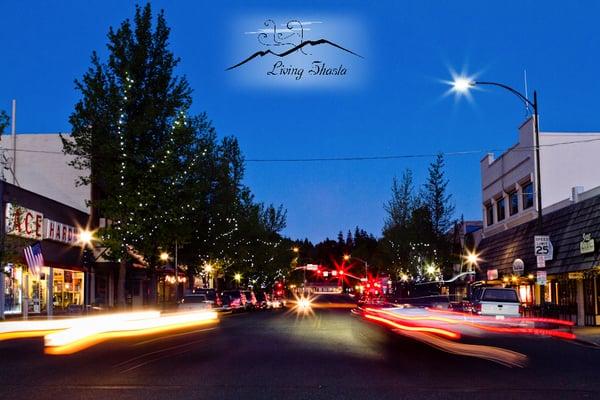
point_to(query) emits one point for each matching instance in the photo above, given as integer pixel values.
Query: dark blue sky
(391, 102)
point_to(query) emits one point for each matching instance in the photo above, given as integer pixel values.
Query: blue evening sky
(391, 101)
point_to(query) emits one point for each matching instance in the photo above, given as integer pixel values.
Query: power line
(371, 158)
(404, 156)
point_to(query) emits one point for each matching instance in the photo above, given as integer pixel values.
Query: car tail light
(235, 302)
(477, 308)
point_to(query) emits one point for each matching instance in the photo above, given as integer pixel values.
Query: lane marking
(172, 336)
(157, 351)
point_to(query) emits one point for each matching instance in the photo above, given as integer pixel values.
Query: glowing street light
(404, 277)
(472, 258)
(346, 257)
(295, 249)
(237, 277)
(430, 269)
(462, 84)
(208, 268)
(85, 237)
(164, 256)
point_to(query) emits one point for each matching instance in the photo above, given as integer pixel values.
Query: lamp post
(86, 239)
(296, 250)
(348, 257)
(463, 85)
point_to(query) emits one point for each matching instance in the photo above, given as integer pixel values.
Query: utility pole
(13, 133)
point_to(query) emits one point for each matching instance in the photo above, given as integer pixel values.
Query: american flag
(34, 258)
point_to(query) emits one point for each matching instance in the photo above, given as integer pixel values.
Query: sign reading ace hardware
(31, 224)
(543, 247)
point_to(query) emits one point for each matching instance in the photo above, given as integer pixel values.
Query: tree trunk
(121, 284)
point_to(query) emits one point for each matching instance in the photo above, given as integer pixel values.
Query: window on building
(513, 203)
(489, 214)
(528, 196)
(500, 213)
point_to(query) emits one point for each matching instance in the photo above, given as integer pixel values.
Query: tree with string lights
(134, 141)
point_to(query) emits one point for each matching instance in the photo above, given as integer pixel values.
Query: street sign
(587, 244)
(492, 274)
(541, 262)
(543, 247)
(518, 266)
(541, 278)
(575, 275)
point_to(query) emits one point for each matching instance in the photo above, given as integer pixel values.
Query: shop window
(489, 214)
(513, 200)
(500, 210)
(528, 196)
(12, 276)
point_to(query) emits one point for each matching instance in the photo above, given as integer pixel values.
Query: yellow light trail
(80, 338)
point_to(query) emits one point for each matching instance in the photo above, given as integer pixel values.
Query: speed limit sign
(543, 247)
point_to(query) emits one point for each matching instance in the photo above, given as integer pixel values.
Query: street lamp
(462, 85)
(430, 269)
(472, 258)
(85, 237)
(164, 256)
(238, 278)
(348, 257)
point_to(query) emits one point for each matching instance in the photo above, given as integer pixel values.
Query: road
(279, 355)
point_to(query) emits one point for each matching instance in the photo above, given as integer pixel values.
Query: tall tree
(399, 207)
(4, 121)
(437, 198)
(133, 140)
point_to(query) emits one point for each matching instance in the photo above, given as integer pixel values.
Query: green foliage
(158, 174)
(415, 230)
(4, 121)
(437, 198)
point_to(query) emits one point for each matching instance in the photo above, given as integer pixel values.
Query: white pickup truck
(496, 301)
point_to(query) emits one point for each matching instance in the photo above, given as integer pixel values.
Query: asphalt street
(281, 355)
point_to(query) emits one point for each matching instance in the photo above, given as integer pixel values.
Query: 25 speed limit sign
(543, 246)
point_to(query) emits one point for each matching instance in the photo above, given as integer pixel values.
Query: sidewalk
(590, 334)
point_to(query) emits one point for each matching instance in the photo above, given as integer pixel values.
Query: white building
(35, 161)
(567, 160)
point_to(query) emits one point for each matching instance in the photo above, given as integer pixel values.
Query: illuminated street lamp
(348, 257)
(164, 256)
(85, 237)
(472, 259)
(463, 85)
(430, 269)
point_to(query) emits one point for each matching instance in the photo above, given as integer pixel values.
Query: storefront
(566, 284)
(67, 290)
(60, 284)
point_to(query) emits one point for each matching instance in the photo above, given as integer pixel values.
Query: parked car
(194, 302)
(263, 301)
(234, 300)
(496, 301)
(211, 295)
(278, 302)
(250, 300)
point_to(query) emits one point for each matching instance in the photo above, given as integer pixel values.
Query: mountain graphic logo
(292, 37)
